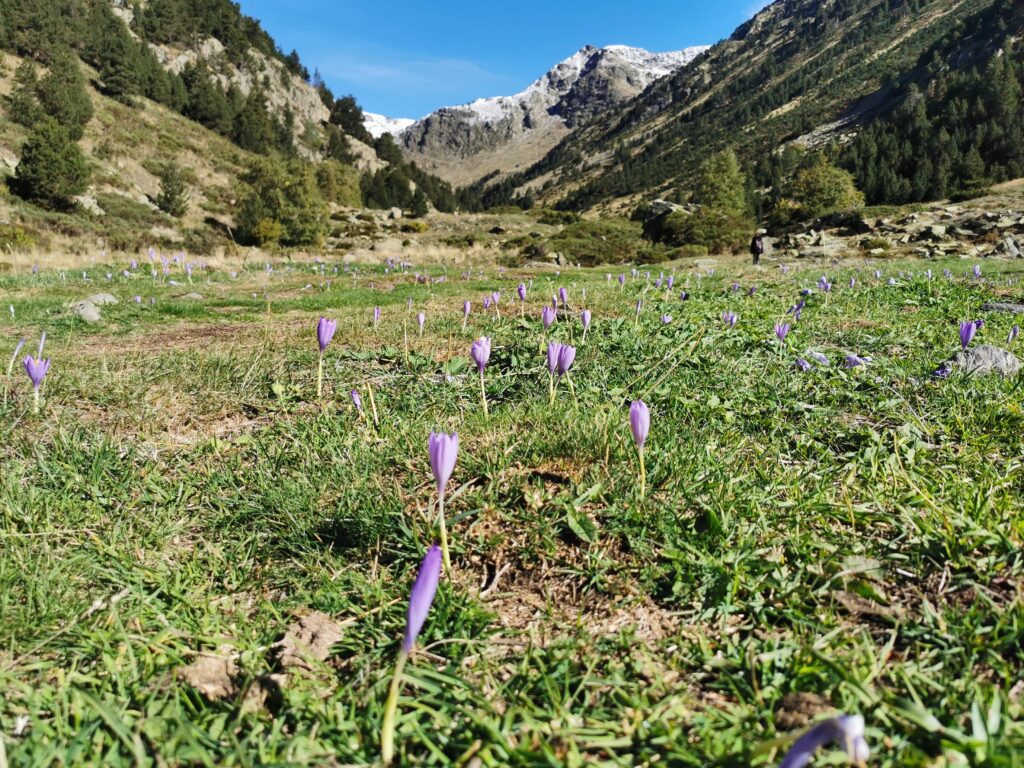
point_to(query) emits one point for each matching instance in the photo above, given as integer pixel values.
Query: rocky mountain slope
(799, 71)
(508, 133)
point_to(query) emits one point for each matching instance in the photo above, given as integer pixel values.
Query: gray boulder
(102, 299)
(192, 296)
(86, 310)
(1003, 306)
(982, 360)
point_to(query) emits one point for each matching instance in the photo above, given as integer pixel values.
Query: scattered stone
(1003, 306)
(934, 232)
(89, 205)
(86, 310)
(395, 214)
(192, 296)
(102, 299)
(308, 639)
(1008, 246)
(981, 360)
(559, 259)
(212, 675)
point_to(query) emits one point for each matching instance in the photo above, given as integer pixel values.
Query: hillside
(799, 71)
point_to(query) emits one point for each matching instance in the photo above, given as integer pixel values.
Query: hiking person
(757, 247)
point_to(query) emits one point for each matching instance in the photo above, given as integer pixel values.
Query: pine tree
(23, 104)
(419, 208)
(173, 197)
(63, 95)
(253, 129)
(52, 169)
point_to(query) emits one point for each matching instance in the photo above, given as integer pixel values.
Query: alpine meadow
(668, 411)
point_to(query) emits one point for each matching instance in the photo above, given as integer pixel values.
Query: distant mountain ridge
(464, 143)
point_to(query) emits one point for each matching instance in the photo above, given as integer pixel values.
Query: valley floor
(203, 563)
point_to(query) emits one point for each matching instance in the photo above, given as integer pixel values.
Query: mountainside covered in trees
(804, 74)
(82, 77)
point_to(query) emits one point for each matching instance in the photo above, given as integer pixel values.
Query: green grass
(838, 540)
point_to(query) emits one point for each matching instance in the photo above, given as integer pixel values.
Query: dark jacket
(757, 245)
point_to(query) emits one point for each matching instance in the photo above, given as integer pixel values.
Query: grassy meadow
(810, 542)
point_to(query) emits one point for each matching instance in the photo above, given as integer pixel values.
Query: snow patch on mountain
(378, 125)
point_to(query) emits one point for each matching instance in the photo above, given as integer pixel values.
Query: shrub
(608, 241)
(280, 204)
(52, 168)
(823, 189)
(415, 226)
(553, 217)
(715, 230)
(339, 183)
(14, 238)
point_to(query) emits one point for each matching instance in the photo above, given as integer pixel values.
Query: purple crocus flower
(806, 292)
(443, 449)
(521, 290)
(669, 282)
(855, 361)
(640, 425)
(325, 332)
(554, 349)
(487, 302)
(566, 356)
(639, 422)
(480, 351)
(684, 296)
(585, 319)
(824, 285)
(563, 296)
(1014, 333)
(422, 597)
(752, 290)
(666, 319)
(357, 401)
(819, 358)
(947, 273)
(622, 279)
(892, 281)
(547, 317)
(376, 316)
(729, 318)
(848, 730)
(138, 299)
(465, 313)
(781, 332)
(967, 330)
(658, 282)
(421, 318)
(735, 287)
(36, 368)
(802, 364)
(977, 271)
(928, 274)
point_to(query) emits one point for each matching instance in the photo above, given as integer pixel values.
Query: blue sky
(405, 59)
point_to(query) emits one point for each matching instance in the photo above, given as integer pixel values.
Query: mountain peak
(467, 141)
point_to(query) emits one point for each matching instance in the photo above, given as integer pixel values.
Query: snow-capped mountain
(464, 143)
(378, 125)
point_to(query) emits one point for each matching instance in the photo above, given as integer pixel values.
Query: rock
(933, 232)
(498, 230)
(395, 214)
(1003, 306)
(87, 311)
(559, 259)
(982, 360)
(192, 296)
(102, 299)
(1008, 246)
(90, 205)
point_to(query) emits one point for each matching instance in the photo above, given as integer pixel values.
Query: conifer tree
(63, 95)
(52, 169)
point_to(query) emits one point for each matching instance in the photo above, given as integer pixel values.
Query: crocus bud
(639, 421)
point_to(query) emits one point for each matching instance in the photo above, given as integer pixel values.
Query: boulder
(982, 360)
(1003, 306)
(102, 299)
(1008, 246)
(87, 311)
(395, 214)
(193, 296)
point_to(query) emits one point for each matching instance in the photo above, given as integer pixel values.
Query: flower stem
(320, 378)
(643, 473)
(387, 730)
(444, 534)
(483, 394)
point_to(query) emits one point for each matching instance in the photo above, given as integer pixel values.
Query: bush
(14, 238)
(339, 183)
(823, 190)
(415, 226)
(52, 169)
(553, 217)
(280, 204)
(608, 241)
(715, 230)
